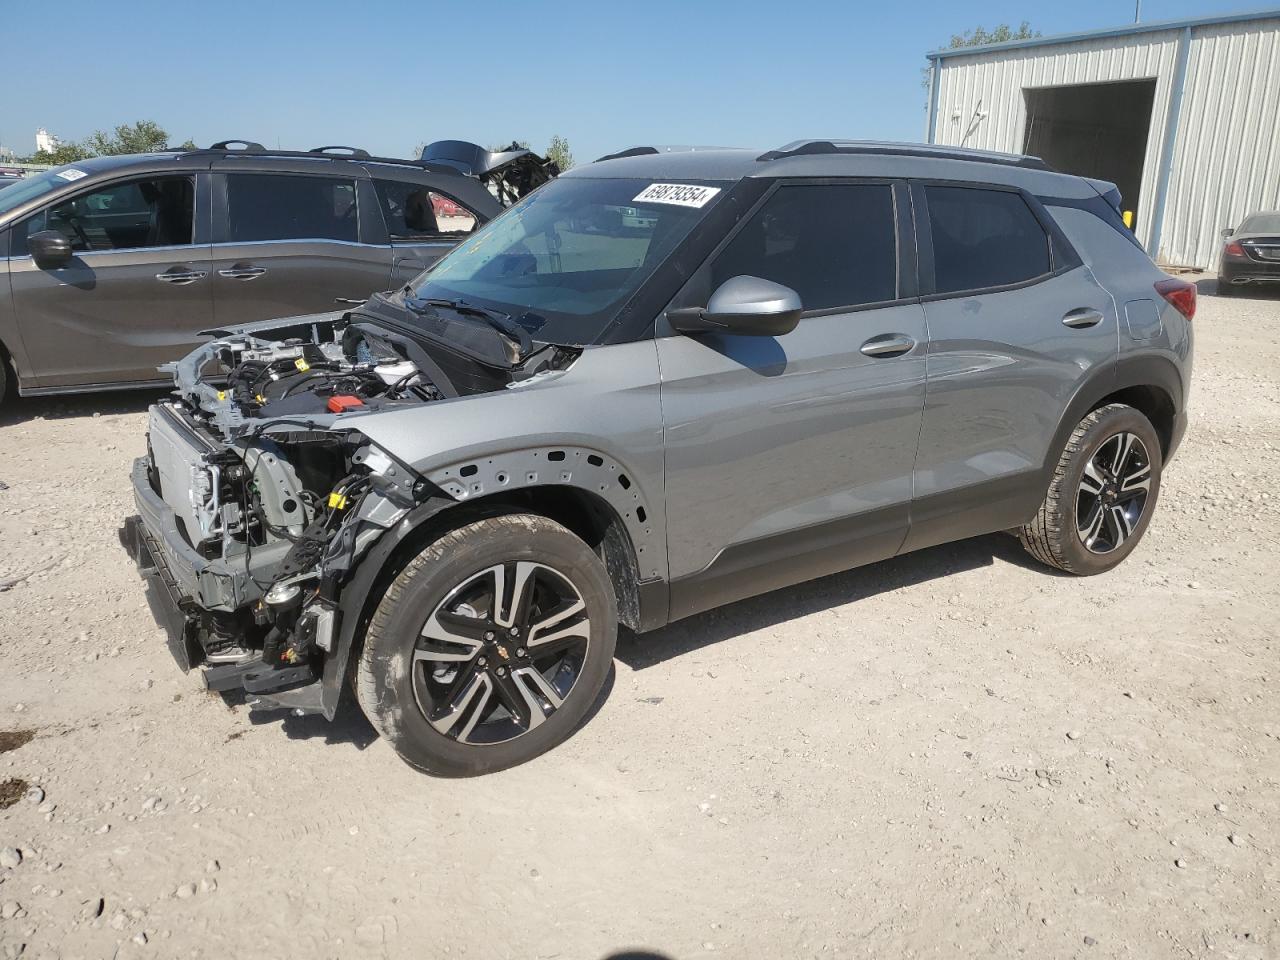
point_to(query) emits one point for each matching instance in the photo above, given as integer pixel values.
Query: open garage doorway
(1093, 130)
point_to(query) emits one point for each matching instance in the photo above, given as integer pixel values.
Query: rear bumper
(1249, 271)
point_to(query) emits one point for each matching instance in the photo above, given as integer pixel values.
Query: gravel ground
(952, 753)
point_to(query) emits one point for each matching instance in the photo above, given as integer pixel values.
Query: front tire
(1102, 495)
(490, 647)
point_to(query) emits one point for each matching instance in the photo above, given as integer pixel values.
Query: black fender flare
(353, 601)
(1155, 372)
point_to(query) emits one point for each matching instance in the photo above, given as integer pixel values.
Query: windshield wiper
(496, 319)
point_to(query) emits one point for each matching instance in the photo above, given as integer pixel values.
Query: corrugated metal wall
(1226, 159)
(1226, 155)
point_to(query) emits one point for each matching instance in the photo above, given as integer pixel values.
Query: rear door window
(135, 214)
(412, 212)
(834, 244)
(273, 206)
(983, 238)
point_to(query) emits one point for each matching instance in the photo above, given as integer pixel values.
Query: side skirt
(749, 569)
(973, 511)
(93, 388)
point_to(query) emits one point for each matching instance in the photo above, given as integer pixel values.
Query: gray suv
(663, 382)
(114, 265)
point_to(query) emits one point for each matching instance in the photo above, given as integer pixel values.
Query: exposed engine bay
(270, 493)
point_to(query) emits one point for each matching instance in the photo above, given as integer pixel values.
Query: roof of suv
(839, 158)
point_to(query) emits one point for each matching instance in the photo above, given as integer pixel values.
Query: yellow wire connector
(302, 365)
(337, 501)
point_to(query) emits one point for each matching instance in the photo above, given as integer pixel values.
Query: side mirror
(745, 305)
(49, 249)
(1227, 231)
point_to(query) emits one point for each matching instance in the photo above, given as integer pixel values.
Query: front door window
(133, 215)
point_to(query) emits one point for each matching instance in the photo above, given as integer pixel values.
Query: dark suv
(660, 383)
(115, 264)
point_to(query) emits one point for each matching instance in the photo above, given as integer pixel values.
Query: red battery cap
(342, 402)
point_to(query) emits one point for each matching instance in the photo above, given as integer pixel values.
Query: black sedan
(1251, 255)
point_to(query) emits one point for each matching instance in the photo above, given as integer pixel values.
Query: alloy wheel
(501, 652)
(1113, 493)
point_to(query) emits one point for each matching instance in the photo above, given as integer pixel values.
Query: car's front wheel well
(1153, 403)
(585, 514)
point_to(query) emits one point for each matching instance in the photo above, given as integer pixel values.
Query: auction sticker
(679, 194)
(72, 174)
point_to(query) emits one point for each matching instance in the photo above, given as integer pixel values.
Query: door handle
(242, 273)
(888, 345)
(1084, 317)
(182, 276)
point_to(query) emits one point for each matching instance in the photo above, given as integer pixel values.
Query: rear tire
(462, 683)
(1096, 510)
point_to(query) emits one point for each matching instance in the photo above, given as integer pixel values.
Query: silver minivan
(113, 265)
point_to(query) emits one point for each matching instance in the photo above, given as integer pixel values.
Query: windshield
(563, 260)
(38, 185)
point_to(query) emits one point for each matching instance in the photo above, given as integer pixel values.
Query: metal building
(1184, 116)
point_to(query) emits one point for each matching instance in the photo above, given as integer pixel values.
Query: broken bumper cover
(163, 594)
(181, 585)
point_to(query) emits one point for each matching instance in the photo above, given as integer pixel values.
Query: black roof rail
(647, 151)
(629, 152)
(351, 154)
(350, 151)
(806, 148)
(246, 146)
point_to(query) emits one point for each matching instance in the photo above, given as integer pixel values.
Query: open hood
(509, 174)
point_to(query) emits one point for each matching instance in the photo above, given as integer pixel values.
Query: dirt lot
(952, 753)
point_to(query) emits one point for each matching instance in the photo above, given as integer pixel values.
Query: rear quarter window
(412, 211)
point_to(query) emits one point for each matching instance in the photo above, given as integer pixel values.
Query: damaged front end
(259, 494)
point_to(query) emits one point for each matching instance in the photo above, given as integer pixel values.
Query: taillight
(1180, 294)
(1233, 249)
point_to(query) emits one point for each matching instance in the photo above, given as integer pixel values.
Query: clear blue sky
(389, 74)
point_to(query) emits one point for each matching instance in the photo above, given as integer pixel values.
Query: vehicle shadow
(350, 726)
(15, 410)
(770, 609)
(687, 636)
(1248, 291)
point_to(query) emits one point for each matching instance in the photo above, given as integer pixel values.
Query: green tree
(65, 153)
(558, 152)
(980, 37)
(145, 136)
